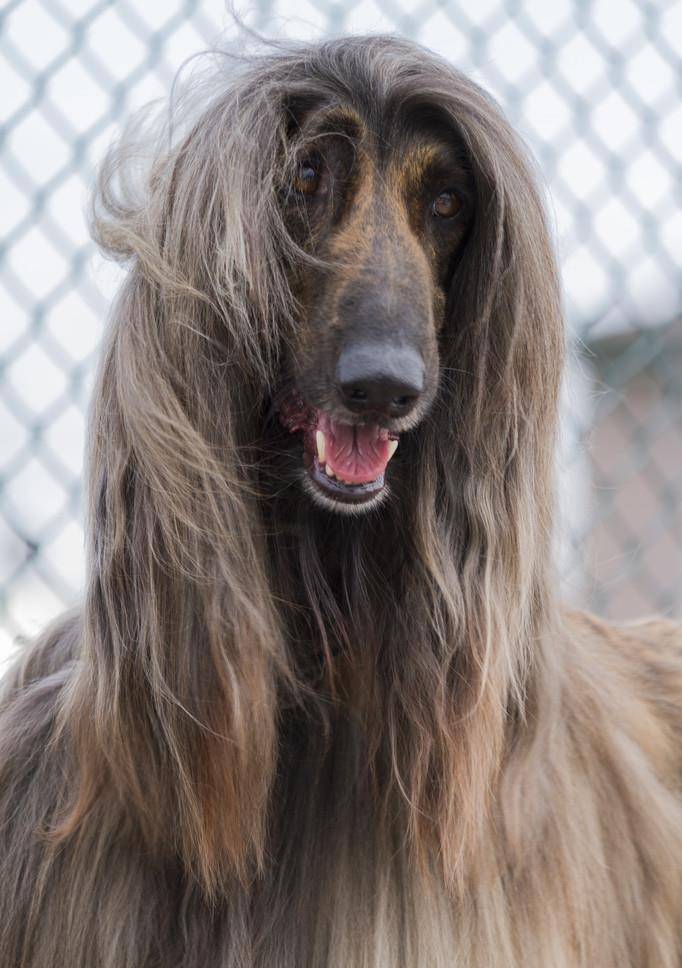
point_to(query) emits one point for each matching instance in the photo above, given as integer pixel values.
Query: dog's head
(340, 252)
(382, 201)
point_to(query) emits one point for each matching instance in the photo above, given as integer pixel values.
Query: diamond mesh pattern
(595, 90)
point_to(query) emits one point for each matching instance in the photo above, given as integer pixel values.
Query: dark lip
(337, 490)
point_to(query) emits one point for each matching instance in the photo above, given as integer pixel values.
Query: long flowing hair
(275, 736)
(202, 611)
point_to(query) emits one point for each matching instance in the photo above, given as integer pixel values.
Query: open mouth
(345, 462)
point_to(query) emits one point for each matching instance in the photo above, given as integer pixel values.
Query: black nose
(380, 377)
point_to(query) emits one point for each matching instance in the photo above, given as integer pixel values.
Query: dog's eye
(308, 177)
(447, 205)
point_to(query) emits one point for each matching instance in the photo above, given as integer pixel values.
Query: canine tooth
(392, 447)
(328, 471)
(321, 442)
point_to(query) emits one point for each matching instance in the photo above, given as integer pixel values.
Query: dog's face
(384, 211)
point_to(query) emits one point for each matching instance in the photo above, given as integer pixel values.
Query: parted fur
(276, 738)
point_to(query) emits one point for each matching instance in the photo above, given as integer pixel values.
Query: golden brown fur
(278, 738)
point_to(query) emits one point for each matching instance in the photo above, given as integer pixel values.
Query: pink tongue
(356, 454)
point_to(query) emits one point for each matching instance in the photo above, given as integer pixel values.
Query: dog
(321, 707)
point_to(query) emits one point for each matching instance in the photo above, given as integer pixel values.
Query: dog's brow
(430, 153)
(338, 119)
(433, 156)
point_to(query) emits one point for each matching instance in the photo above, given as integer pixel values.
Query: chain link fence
(594, 88)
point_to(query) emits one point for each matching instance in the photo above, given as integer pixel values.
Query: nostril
(379, 377)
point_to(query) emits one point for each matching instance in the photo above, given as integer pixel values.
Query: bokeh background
(594, 88)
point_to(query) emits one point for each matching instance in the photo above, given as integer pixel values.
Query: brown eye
(307, 178)
(447, 205)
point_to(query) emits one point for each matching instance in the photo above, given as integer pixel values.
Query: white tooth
(321, 445)
(328, 471)
(392, 447)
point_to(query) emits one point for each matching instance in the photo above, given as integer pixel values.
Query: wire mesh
(593, 87)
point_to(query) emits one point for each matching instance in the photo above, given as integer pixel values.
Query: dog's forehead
(417, 140)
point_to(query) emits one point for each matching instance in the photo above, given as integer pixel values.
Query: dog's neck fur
(389, 732)
(349, 829)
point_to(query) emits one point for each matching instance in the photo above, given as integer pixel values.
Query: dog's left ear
(502, 350)
(504, 339)
(183, 651)
(505, 317)
(484, 480)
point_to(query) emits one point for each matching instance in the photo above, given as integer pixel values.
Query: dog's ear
(503, 348)
(183, 658)
(505, 319)
(482, 490)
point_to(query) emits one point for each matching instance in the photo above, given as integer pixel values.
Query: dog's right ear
(174, 714)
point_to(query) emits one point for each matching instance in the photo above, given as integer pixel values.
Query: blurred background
(594, 88)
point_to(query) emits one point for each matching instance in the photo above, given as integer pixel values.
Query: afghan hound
(320, 707)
